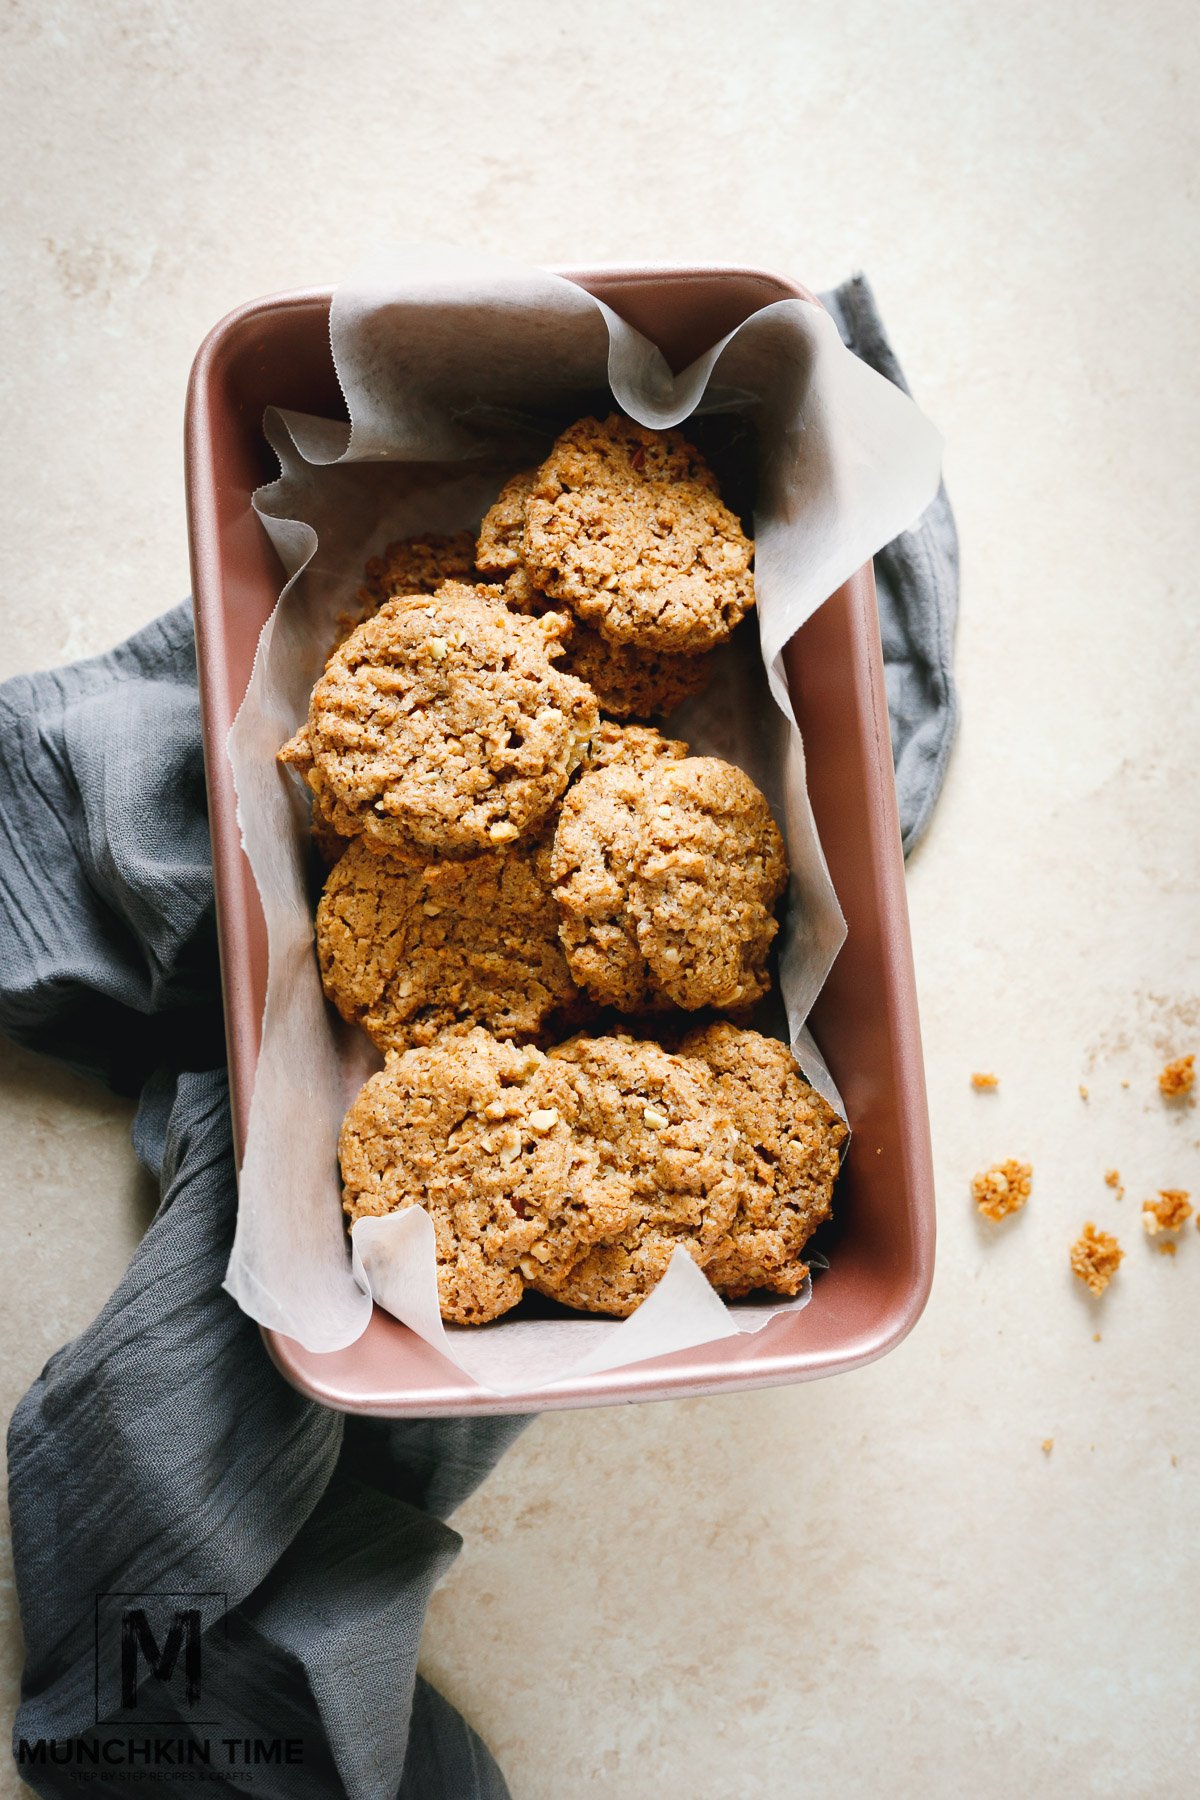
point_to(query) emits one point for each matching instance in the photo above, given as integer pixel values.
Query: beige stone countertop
(878, 1584)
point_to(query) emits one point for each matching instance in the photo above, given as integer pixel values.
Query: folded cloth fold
(160, 1452)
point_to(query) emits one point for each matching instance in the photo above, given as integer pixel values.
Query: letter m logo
(139, 1644)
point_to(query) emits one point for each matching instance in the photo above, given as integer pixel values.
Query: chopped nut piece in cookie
(1002, 1189)
(1095, 1258)
(1178, 1077)
(1170, 1212)
(984, 1083)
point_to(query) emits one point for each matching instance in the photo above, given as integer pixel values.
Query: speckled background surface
(877, 1584)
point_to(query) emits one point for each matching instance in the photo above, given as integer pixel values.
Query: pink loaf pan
(276, 352)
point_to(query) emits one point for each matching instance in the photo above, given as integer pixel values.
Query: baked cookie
(667, 1146)
(666, 877)
(499, 549)
(591, 864)
(710, 869)
(481, 1135)
(408, 951)
(629, 681)
(416, 565)
(626, 527)
(441, 725)
(787, 1153)
(633, 746)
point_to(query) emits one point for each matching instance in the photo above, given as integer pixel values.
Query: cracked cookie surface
(666, 877)
(710, 869)
(667, 1151)
(408, 951)
(442, 725)
(482, 1135)
(629, 680)
(787, 1152)
(626, 527)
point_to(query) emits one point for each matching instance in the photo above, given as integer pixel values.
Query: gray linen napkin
(159, 1459)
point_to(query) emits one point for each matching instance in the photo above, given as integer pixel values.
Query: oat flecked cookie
(634, 746)
(629, 680)
(710, 869)
(787, 1152)
(625, 526)
(667, 1153)
(442, 725)
(481, 1135)
(592, 864)
(416, 565)
(667, 878)
(409, 950)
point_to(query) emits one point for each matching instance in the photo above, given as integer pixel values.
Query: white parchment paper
(457, 371)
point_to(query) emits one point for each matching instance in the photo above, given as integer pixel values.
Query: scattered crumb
(1083, 1093)
(1170, 1212)
(1003, 1189)
(1167, 1248)
(1174, 1462)
(1178, 1077)
(1047, 1445)
(983, 1082)
(1095, 1258)
(1124, 1084)
(1095, 1337)
(1112, 1179)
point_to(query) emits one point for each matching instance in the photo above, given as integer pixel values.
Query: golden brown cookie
(634, 746)
(709, 870)
(667, 1146)
(481, 1135)
(416, 565)
(787, 1152)
(591, 865)
(625, 525)
(408, 951)
(442, 725)
(666, 878)
(629, 681)
(499, 549)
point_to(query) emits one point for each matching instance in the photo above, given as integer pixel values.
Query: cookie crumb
(1168, 1248)
(1112, 1179)
(1125, 1084)
(1174, 1462)
(983, 1082)
(1095, 1258)
(1083, 1093)
(1047, 1445)
(1178, 1078)
(1095, 1337)
(1002, 1189)
(1170, 1212)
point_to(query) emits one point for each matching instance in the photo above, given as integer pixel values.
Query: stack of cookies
(517, 857)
